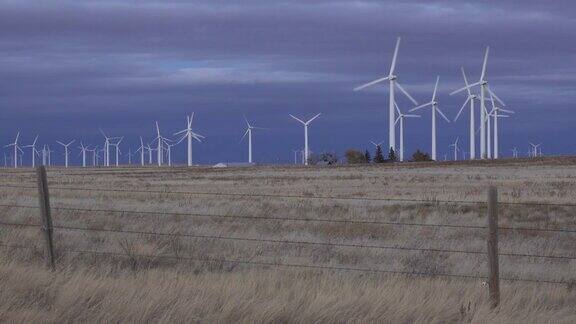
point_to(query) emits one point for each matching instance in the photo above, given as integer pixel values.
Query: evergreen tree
(378, 156)
(392, 155)
(367, 157)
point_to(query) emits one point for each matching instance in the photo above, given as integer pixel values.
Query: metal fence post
(47, 229)
(493, 266)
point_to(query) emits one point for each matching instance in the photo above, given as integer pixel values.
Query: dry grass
(134, 289)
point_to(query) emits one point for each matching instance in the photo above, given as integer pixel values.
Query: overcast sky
(70, 67)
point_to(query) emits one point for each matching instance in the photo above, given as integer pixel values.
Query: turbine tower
(469, 99)
(66, 151)
(34, 151)
(400, 119)
(188, 134)
(434, 107)
(393, 83)
(16, 149)
(306, 150)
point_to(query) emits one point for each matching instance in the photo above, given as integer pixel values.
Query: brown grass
(135, 289)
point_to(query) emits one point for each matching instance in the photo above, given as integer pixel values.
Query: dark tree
(420, 156)
(392, 155)
(378, 156)
(367, 157)
(354, 156)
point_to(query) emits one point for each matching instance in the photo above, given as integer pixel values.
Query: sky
(70, 67)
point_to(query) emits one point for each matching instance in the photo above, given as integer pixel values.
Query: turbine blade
(435, 88)
(412, 116)
(495, 96)
(462, 108)
(311, 119)
(420, 107)
(397, 119)
(245, 133)
(397, 109)
(405, 93)
(442, 114)
(393, 66)
(507, 111)
(298, 119)
(465, 80)
(371, 83)
(465, 88)
(484, 64)
(247, 123)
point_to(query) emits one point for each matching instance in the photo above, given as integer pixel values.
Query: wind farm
(329, 161)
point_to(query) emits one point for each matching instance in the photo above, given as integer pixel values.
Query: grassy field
(206, 280)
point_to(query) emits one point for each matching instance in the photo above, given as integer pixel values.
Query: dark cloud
(69, 66)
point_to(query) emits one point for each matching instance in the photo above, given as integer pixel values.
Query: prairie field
(374, 243)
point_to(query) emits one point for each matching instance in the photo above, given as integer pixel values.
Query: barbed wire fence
(492, 255)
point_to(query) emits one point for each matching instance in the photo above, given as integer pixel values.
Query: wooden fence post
(47, 229)
(493, 266)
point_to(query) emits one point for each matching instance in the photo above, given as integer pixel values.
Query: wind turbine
(169, 152)
(393, 83)
(434, 107)
(376, 145)
(495, 113)
(483, 83)
(34, 151)
(249, 133)
(117, 149)
(141, 149)
(66, 151)
(400, 119)
(189, 135)
(456, 148)
(469, 99)
(83, 150)
(107, 147)
(306, 151)
(16, 149)
(514, 152)
(150, 150)
(534, 148)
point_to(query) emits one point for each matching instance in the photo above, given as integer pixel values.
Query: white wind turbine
(117, 149)
(469, 99)
(142, 148)
(495, 114)
(188, 134)
(456, 148)
(400, 119)
(306, 150)
(66, 153)
(393, 83)
(249, 133)
(160, 148)
(483, 83)
(34, 151)
(514, 152)
(534, 148)
(150, 150)
(16, 149)
(169, 152)
(434, 107)
(107, 148)
(83, 150)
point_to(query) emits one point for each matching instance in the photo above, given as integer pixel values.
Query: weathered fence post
(493, 267)
(47, 230)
